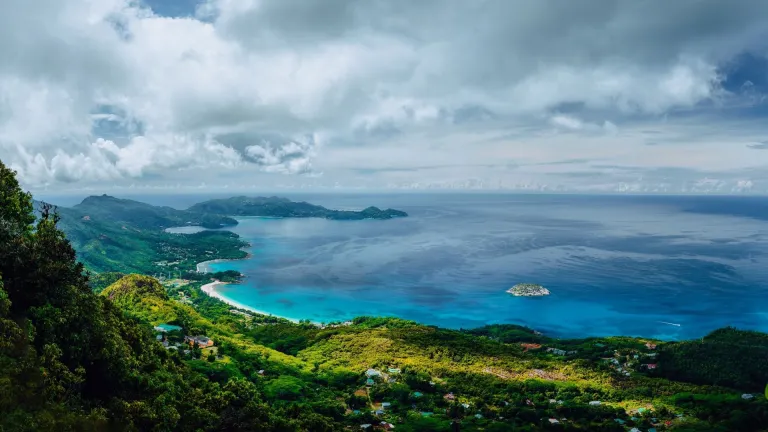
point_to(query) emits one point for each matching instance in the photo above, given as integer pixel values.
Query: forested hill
(283, 207)
(111, 234)
(146, 216)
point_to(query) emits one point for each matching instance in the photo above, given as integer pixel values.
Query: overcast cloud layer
(591, 95)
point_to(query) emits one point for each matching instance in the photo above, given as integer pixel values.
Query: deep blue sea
(616, 265)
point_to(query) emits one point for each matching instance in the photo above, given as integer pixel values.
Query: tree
(284, 387)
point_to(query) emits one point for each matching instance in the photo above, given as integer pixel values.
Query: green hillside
(146, 216)
(74, 360)
(106, 241)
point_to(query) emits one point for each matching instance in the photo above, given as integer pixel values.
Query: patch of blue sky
(173, 8)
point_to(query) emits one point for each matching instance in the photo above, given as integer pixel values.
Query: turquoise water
(665, 267)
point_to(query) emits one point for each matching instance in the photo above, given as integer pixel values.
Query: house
(554, 421)
(370, 373)
(449, 397)
(159, 337)
(202, 341)
(634, 430)
(394, 370)
(595, 403)
(378, 412)
(747, 396)
(386, 426)
(619, 421)
(369, 382)
(552, 401)
(650, 345)
(365, 426)
(556, 351)
(385, 405)
(465, 405)
(527, 346)
(478, 416)
(261, 372)
(417, 394)
(650, 366)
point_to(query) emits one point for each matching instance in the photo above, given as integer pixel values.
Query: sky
(635, 96)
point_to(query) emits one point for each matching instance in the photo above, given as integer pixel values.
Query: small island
(528, 290)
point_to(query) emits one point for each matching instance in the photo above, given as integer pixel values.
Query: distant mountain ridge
(283, 207)
(147, 216)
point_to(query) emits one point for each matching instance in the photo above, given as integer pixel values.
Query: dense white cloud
(376, 92)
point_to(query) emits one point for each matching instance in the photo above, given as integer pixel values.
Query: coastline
(201, 267)
(210, 290)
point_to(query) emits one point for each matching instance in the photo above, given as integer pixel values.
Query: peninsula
(283, 207)
(528, 290)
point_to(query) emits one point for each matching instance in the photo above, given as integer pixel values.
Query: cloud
(108, 92)
(759, 146)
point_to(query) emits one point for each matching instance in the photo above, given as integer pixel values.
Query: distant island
(528, 290)
(283, 207)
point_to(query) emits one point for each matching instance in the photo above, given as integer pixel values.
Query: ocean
(668, 267)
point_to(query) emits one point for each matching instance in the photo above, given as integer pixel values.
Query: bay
(669, 267)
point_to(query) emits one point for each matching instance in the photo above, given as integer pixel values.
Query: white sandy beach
(203, 266)
(210, 289)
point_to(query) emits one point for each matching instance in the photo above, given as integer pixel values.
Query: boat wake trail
(669, 323)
